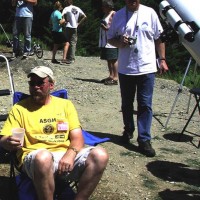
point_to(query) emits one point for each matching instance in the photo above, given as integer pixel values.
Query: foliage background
(88, 33)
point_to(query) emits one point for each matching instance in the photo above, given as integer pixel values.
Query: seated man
(53, 142)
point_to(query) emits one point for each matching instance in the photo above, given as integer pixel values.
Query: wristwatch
(73, 149)
(162, 59)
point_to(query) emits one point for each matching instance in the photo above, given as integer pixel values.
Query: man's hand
(10, 143)
(66, 163)
(119, 42)
(163, 66)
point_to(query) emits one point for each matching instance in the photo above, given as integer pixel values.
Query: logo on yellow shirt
(48, 129)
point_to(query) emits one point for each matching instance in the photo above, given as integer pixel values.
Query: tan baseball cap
(42, 72)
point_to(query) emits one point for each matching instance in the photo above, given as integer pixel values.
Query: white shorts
(74, 175)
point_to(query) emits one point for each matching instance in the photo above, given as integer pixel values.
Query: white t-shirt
(73, 13)
(141, 58)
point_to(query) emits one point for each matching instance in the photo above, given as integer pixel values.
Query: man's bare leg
(44, 176)
(95, 166)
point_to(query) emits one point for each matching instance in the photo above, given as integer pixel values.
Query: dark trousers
(141, 85)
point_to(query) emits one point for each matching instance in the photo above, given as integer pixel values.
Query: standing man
(135, 30)
(23, 21)
(75, 16)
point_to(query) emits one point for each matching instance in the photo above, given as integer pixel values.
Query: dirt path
(175, 171)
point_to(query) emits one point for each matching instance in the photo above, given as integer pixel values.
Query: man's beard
(38, 97)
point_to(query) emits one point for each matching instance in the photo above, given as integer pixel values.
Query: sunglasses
(37, 83)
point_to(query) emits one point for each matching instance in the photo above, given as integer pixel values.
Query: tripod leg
(179, 91)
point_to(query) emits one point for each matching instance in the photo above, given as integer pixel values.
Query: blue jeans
(143, 85)
(25, 24)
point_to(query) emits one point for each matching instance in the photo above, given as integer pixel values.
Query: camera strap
(135, 31)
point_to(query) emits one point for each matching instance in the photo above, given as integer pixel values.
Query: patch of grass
(149, 183)
(193, 162)
(128, 153)
(4, 48)
(192, 188)
(171, 150)
(157, 138)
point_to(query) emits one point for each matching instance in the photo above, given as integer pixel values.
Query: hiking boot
(125, 138)
(146, 148)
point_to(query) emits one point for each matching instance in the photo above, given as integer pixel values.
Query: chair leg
(189, 120)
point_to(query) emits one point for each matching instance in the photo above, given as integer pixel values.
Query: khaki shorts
(74, 175)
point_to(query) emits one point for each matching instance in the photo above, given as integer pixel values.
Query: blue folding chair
(24, 185)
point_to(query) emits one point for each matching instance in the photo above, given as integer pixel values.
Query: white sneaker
(25, 55)
(13, 57)
(31, 53)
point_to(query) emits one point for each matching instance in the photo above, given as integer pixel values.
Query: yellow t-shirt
(46, 127)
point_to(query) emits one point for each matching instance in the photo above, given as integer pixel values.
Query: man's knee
(99, 157)
(43, 158)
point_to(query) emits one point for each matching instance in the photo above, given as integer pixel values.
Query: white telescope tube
(169, 14)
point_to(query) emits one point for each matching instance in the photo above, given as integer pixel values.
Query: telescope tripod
(179, 91)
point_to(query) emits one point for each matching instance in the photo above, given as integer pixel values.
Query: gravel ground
(175, 171)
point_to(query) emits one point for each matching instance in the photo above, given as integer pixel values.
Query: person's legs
(111, 55)
(95, 165)
(145, 85)
(16, 31)
(57, 39)
(27, 33)
(128, 89)
(54, 51)
(39, 167)
(65, 50)
(114, 72)
(73, 41)
(42, 167)
(109, 63)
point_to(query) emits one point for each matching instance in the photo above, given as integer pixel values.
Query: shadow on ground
(116, 140)
(89, 80)
(178, 137)
(179, 195)
(174, 172)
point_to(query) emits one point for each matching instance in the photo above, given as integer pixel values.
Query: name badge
(62, 126)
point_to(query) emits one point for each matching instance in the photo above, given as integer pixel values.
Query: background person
(53, 142)
(135, 30)
(23, 21)
(75, 16)
(57, 33)
(108, 52)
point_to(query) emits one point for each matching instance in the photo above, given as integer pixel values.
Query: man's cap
(42, 72)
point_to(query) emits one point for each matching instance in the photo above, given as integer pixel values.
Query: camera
(132, 40)
(103, 22)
